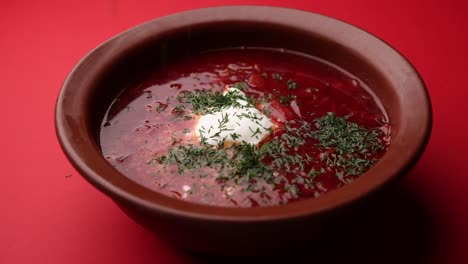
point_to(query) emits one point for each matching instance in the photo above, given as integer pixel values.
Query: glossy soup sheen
(328, 129)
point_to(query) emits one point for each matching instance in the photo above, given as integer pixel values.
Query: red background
(49, 214)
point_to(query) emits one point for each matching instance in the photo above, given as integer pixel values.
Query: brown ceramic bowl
(91, 86)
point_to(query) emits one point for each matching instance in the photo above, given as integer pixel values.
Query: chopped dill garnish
(235, 136)
(285, 100)
(346, 137)
(240, 161)
(241, 86)
(178, 111)
(257, 131)
(348, 148)
(353, 145)
(292, 85)
(207, 101)
(161, 107)
(277, 76)
(223, 122)
(292, 190)
(313, 173)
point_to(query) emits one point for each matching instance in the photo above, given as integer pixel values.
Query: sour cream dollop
(234, 124)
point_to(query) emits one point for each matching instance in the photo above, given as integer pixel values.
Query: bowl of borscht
(242, 129)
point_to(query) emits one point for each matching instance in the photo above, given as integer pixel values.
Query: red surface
(49, 216)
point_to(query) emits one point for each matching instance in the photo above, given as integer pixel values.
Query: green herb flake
(292, 85)
(234, 136)
(314, 173)
(352, 144)
(277, 76)
(207, 101)
(285, 100)
(161, 107)
(241, 86)
(347, 148)
(292, 189)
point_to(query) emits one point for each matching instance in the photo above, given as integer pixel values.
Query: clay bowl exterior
(91, 86)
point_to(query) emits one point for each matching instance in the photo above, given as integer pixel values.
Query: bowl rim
(75, 138)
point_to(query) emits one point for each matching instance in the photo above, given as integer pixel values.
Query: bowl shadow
(394, 227)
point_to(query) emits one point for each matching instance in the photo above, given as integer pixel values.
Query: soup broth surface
(245, 127)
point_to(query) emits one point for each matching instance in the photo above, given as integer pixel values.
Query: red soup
(251, 127)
